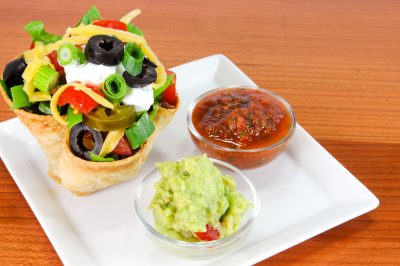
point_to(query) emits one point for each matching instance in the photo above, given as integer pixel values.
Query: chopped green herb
(96, 158)
(153, 113)
(44, 107)
(114, 88)
(160, 90)
(69, 53)
(19, 97)
(140, 131)
(72, 118)
(133, 59)
(45, 79)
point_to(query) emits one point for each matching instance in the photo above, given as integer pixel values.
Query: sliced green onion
(160, 90)
(133, 29)
(73, 118)
(45, 79)
(5, 88)
(19, 97)
(96, 158)
(153, 113)
(114, 88)
(89, 16)
(133, 59)
(38, 33)
(140, 131)
(69, 53)
(44, 107)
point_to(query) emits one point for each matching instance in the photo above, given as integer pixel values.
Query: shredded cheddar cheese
(75, 40)
(31, 69)
(39, 96)
(161, 74)
(29, 89)
(111, 141)
(131, 15)
(98, 98)
(53, 105)
(91, 30)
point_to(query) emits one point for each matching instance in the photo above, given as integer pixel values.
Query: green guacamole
(193, 193)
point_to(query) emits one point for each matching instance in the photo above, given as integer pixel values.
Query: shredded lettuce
(133, 29)
(96, 158)
(38, 33)
(89, 16)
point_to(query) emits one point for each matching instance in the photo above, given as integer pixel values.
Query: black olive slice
(149, 63)
(104, 50)
(12, 74)
(146, 77)
(76, 141)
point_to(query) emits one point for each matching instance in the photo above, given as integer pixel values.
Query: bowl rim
(198, 136)
(220, 242)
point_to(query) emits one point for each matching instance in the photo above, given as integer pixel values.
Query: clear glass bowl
(242, 158)
(197, 250)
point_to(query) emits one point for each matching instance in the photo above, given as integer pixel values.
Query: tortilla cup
(83, 177)
(49, 133)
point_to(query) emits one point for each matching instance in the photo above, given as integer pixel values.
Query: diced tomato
(115, 24)
(32, 45)
(78, 99)
(169, 95)
(209, 235)
(53, 59)
(123, 147)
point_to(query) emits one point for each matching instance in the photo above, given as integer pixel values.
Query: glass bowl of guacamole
(197, 207)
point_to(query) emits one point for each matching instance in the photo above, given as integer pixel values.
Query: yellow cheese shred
(131, 15)
(53, 105)
(161, 74)
(91, 30)
(31, 69)
(46, 61)
(29, 89)
(77, 86)
(98, 98)
(75, 40)
(39, 97)
(111, 141)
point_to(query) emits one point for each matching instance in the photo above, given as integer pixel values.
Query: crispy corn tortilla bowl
(79, 176)
(48, 132)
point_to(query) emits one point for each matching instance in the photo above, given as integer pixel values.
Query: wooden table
(336, 62)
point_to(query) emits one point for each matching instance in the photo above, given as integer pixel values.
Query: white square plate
(304, 192)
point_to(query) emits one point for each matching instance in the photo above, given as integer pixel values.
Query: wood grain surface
(336, 62)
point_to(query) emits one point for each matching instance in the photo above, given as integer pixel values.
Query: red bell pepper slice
(115, 24)
(78, 99)
(53, 59)
(169, 95)
(209, 235)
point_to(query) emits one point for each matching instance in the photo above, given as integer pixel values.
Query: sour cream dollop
(141, 98)
(88, 73)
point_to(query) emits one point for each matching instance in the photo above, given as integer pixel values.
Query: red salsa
(241, 118)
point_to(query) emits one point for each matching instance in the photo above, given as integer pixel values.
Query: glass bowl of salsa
(245, 126)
